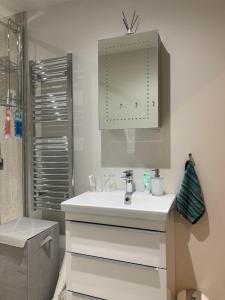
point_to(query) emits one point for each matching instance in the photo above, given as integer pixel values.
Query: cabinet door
(119, 243)
(128, 69)
(43, 264)
(108, 279)
(13, 272)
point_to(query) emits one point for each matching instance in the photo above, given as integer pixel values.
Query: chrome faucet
(128, 177)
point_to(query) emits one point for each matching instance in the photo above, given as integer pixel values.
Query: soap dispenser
(157, 184)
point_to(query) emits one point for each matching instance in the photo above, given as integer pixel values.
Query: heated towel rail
(52, 134)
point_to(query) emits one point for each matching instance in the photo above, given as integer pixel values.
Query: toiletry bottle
(157, 184)
(147, 182)
(92, 183)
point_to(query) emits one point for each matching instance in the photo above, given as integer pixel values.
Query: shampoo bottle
(157, 184)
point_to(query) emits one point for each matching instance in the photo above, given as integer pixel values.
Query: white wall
(193, 33)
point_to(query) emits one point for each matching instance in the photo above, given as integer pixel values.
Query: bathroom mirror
(129, 81)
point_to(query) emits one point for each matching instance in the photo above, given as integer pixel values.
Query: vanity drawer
(76, 296)
(109, 279)
(119, 243)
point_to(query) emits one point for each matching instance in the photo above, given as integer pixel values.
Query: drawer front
(119, 243)
(108, 279)
(76, 296)
(117, 221)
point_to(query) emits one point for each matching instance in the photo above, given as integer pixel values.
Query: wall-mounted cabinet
(129, 81)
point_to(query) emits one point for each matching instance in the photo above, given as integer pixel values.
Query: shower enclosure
(12, 29)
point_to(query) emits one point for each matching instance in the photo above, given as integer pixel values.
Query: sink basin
(143, 205)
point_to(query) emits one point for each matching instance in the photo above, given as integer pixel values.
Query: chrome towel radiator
(52, 134)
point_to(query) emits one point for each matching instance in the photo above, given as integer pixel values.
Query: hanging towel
(190, 203)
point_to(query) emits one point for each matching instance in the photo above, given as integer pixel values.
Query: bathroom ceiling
(14, 6)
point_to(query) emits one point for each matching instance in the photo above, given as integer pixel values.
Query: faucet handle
(128, 173)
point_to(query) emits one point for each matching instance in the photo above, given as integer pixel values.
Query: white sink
(143, 205)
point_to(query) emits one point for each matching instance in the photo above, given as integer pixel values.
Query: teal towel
(190, 203)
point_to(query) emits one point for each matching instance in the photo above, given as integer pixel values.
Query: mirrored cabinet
(128, 69)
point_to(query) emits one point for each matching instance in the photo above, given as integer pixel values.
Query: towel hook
(191, 158)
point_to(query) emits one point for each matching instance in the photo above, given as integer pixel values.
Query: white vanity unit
(117, 251)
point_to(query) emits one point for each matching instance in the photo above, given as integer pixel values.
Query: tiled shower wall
(11, 177)
(11, 200)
